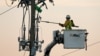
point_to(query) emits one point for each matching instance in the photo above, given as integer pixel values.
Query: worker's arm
(61, 25)
(73, 25)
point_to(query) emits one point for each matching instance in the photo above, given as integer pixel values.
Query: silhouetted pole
(32, 30)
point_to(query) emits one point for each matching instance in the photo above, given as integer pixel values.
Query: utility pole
(32, 30)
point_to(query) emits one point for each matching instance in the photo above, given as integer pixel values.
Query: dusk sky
(85, 13)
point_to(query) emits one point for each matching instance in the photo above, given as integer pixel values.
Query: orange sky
(85, 13)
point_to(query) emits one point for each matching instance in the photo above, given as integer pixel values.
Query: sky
(85, 13)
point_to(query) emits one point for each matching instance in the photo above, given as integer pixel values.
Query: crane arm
(49, 47)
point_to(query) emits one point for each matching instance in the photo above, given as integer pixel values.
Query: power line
(29, 23)
(94, 44)
(7, 10)
(71, 52)
(80, 49)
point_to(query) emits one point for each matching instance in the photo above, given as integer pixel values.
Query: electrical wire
(80, 49)
(7, 10)
(36, 32)
(23, 24)
(24, 14)
(94, 44)
(29, 23)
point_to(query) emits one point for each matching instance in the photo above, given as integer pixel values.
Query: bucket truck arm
(49, 47)
(58, 38)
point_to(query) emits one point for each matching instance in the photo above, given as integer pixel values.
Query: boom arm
(49, 47)
(58, 38)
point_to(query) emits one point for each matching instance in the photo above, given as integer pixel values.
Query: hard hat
(67, 16)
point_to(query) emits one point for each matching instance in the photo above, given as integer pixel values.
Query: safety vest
(68, 25)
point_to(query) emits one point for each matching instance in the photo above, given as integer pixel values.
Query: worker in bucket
(68, 23)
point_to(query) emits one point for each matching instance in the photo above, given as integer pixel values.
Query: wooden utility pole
(32, 30)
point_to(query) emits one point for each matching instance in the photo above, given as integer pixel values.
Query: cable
(7, 10)
(23, 24)
(29, 24)
(71, 52)
(7, 3)
(24, 14)
(94, 44)
(80, 49)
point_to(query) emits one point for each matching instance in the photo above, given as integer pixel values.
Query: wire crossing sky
(85, 13)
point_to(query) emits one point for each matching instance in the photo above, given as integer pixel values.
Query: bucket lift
(75, 39)
(71, 39)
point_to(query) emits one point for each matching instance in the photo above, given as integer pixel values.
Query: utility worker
(68, 23)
